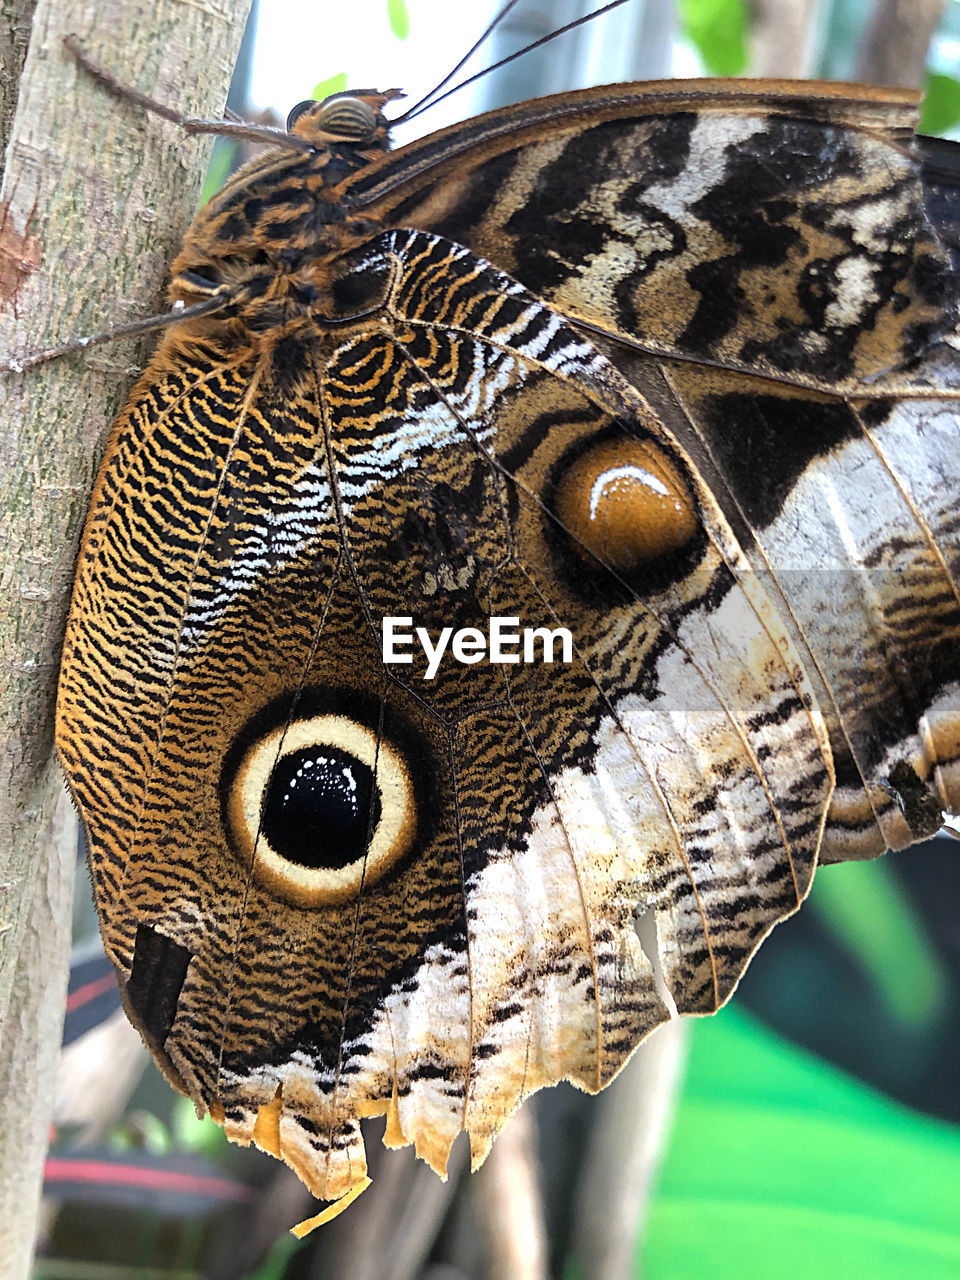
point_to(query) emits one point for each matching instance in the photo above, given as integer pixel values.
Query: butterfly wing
(337, 887)
(760, 263)
(447, 914)
(940, 173)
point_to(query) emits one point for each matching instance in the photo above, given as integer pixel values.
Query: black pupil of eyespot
(297, 111)
(321, 808)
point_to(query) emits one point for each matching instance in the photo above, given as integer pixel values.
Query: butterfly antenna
(491, 27)
(219, 128)
(431, 101)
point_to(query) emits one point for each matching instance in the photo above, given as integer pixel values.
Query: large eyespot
(320, 807)
(625, 501)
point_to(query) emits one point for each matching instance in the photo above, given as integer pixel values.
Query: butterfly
(661, 375)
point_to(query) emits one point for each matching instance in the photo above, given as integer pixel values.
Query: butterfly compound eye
(340, 119)
(320, 808)
(297, 111)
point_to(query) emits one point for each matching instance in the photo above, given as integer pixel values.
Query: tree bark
(15, 17)
(95, 198)
(29, 1048)
(895, 42)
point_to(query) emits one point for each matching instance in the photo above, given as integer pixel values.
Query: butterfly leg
(214, 302)
(18, 364)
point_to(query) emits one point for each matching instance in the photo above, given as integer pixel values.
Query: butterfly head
(350, 124)
(265, 241)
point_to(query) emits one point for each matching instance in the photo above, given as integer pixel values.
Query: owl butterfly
(668, 365)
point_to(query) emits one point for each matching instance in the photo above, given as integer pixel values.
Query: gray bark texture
(96, 195)
(895, 43)
(15, 17)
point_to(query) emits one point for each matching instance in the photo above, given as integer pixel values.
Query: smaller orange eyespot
(626, 502)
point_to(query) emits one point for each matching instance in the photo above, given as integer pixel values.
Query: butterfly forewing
(875, 596)
(337, 887)
(778, 237)
(761, 230)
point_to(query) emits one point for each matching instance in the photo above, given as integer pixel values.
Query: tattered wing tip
(480, 1145)
(266, 1128)
(393, 1135)
(332, 1210)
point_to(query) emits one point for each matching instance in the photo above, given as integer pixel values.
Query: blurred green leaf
(274, 1266)
(203, 1137)
(399, 18)
(862, 905)
(780, 1167)
(940, 109)
(140, 1131)
(120, 1139)
(335, 84)
(219, 168)
(154, 1134)
(718, 31)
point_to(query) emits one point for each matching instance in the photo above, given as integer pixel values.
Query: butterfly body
(334, 887)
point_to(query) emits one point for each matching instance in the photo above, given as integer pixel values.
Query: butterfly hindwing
(437, 460)
(871, 584)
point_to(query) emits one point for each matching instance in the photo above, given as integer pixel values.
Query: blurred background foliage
(817, 1129)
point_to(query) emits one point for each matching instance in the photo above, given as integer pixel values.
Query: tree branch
(627, 1142)
(509, 1200)
(781, 37)
(31, 1040)
(896, 40)
(95, 198)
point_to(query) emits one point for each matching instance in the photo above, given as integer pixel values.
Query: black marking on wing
(156, 980)
(764, 443)
(552, 245)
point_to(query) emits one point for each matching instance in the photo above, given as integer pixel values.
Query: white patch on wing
(854, 292)
(283, 528)
(712, 143)
(921, 439)
(872, 222)
(858, 620)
